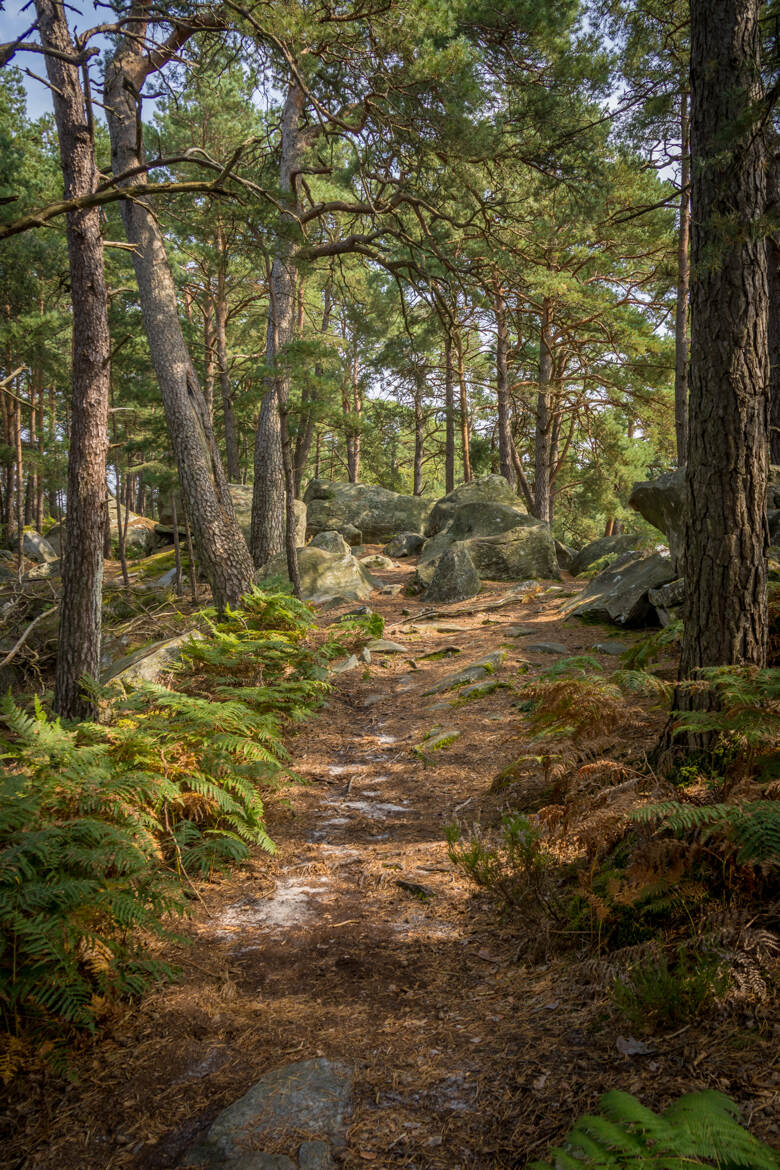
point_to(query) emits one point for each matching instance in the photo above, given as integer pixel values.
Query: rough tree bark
(449, 416)
(78, 650)
(273, 526)
(681, 346)
(309, 407)
(726, 534)
(543, 462)
(773, 277)
(465, 417)
(222, 551)
(505, 460)
(232, 458)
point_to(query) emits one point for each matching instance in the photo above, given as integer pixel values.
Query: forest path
(361, 941)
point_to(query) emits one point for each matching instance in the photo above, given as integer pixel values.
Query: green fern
(700, 1129)
(754, 826)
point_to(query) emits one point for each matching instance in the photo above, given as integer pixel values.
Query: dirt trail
(361, 941)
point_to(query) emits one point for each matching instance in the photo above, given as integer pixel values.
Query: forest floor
(471, 1047)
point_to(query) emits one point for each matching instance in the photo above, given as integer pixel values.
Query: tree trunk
(419, 441)
(544, 420)
(773, 277)
(209, 346)
(683, 282)
(78, 648)
(268, 500)
(505, 460)
(308, 407)
(228, 413)
(353, 409)
(449, 417)
(726, 530)
(222, 550)
(465, 422)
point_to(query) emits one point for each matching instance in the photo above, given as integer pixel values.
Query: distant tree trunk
(222, 550)
(505, 461)
(228, 413)
(465, 420)
(449, 416)
(78, 647)
(353, 409)
(726, 530)
(419, 440)
(209, 346)
(309, 408)
(773, 276)
(268, 500)
(544, 420)
(681, 346)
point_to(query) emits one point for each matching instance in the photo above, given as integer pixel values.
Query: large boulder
(455, 577)
(468, 520)
(662, 503)
(517, 555)
(405, 544)
(148, 663)
(620, 594)
(332, 542)
(597, 550)
(37, 548)
(377, 513)
(140, 536)
(324, 575)
(490, 489)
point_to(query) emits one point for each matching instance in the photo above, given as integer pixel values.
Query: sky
(16, 16)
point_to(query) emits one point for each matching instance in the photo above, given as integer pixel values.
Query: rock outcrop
(454, 578)
(606, 546)
(149, 662)
(620, 594)
(140, 539)
(324, 575)
(374, 512)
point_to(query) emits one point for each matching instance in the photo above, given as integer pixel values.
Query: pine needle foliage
(699, 1129)
(100, 825)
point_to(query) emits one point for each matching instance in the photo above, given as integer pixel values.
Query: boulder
(454, 577)
(605, 546)
(662, 503)
(37, 548)
(620, 593)
(516, 555)
(324, 575)
(490, 489)
(405, 544)
(148, 663)
(475, 520)
(302, 1107)
(378, 561)
(332, 542)
(140, 539)
(377, 513)
(565, 556)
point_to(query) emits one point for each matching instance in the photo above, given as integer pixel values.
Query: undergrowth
(102, 826)
(699, 1129)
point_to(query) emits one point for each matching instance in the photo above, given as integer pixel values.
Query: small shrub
(515, 868)
(657, 993)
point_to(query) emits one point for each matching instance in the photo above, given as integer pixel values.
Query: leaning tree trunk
(271, 527)
(683, 284)
(726, 529)
(78, 649)
(544, 421)
(505, 460)
(221, 548)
